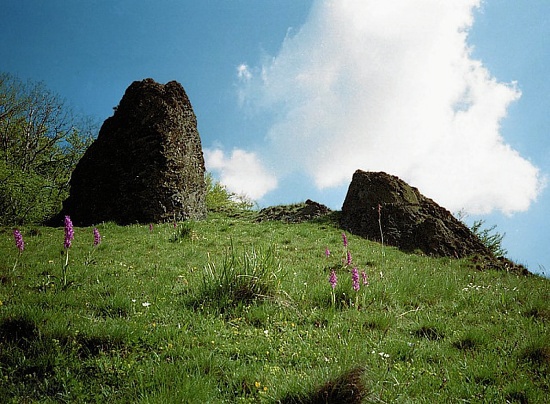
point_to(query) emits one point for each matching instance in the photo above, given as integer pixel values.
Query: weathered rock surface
(295, 213)
(408, 219)
(146, 164)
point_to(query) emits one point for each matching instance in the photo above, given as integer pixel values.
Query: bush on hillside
(219, 199)
(490, 238)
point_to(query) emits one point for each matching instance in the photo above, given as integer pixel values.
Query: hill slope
(233, 310)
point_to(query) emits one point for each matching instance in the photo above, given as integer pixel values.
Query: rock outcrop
(295, 213)
(146, 164)
(408, 219)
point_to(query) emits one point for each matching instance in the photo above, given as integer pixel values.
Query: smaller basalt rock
(409, 220)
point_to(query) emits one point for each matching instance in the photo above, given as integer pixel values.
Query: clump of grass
(536, 353)
(378, 321)
(182, 232)
(348, 388)
(429, 332)
(242, 279)
(538, 312)
(471, 340)
(516, 393)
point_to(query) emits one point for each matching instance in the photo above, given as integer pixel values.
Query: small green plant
(182, 232)
(242, 279)
(20, 244)
(346, 265)
(429, 332)
(97, 241)
(490, 238)
(69, 236)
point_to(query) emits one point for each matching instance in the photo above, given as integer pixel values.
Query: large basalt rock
(146, 164)
(408, 219)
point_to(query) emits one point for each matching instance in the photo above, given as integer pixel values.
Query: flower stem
(65, 266)
(15, 264)
(380, 226)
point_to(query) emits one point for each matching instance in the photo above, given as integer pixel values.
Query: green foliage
(490, 238)
(40, 143)
(147, 321)
(182, 231)
(242, 279)
(25, 196)
(219, 199)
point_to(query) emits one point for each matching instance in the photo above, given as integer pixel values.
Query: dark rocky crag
(409, 220)
(146, 165)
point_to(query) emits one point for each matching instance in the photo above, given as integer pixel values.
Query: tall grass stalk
(380, 227)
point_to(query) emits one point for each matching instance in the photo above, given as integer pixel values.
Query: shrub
(219, 199)
(491, 239)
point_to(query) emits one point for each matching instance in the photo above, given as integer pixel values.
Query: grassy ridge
(157, 317)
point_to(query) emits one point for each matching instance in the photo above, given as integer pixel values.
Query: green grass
(231, 310)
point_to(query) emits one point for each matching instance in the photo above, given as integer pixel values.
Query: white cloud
(242, 172)
(243, 72)
(392, 86)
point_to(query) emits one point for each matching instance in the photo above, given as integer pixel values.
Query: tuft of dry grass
(348, 388)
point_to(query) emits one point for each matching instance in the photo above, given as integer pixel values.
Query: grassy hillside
(231, 310)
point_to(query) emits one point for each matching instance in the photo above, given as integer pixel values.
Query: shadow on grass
(38, 362)
(471, 340)
(20, 331)
(537, 355)
(428, 332)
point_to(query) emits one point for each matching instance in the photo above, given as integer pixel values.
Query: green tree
(219, 199)
(41, 140)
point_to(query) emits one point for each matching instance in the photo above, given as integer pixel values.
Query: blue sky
(292, 96)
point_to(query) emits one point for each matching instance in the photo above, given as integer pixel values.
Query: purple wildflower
(327, 252)
(344, 239)
(150, 227)
(97, 237)
(69, 232)
(348, 258)
(365, 278)
(355, 279)
(333, 279)
(175, 224)
(19, 243)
